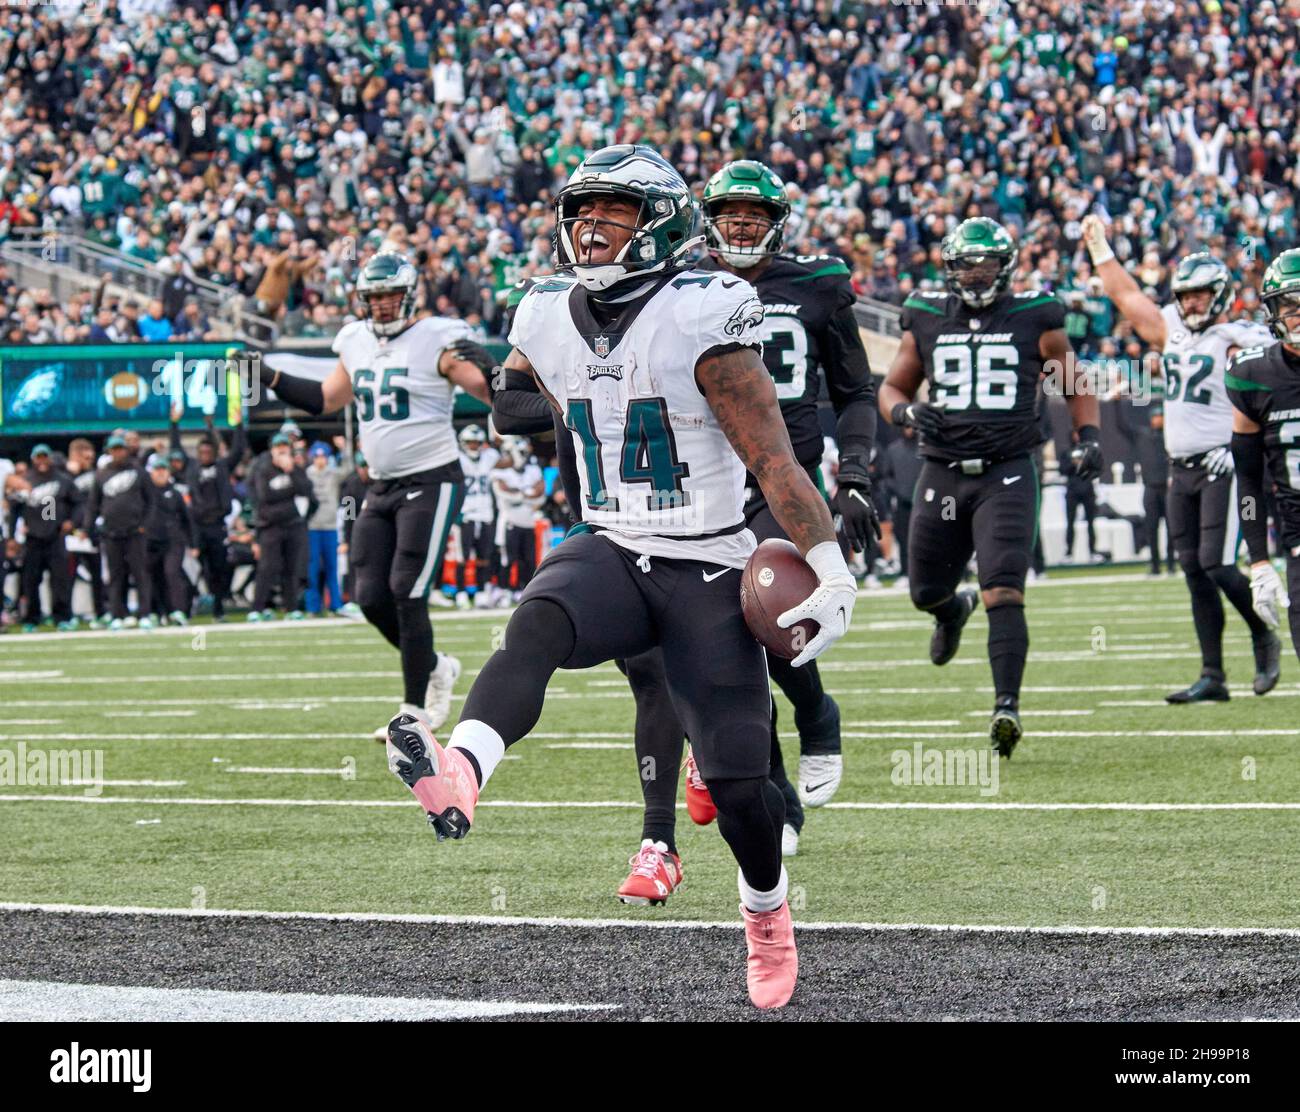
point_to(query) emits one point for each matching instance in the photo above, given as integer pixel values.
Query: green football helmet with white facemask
(979, 257)
(663, 233)
(1280, 293)
(751, 181)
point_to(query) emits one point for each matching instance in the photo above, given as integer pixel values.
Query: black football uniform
(978, 488)
(1264, 383)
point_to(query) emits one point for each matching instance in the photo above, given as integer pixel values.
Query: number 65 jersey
(404, 405)
(983, 366)
(658, 474)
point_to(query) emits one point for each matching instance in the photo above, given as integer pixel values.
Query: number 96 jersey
(404, 405)
(658, 474)
(983, 366)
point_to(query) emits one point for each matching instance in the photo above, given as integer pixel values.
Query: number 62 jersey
(983, 366)
(404, 406)
(658, 474)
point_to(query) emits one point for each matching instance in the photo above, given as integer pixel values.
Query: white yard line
(46, 1001)
(646, 924)
(293, 771)
(628, 804)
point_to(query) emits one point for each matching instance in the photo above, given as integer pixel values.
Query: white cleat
(819, 778)
(437, 697)
(789, 841)
(381, 734)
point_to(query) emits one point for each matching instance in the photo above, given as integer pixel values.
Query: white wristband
(1102, 256)
(827, 561)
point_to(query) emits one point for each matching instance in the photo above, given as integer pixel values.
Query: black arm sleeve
(519, 408)
(566, 459)
(304, 393)
(1248, 455)
(176, 445)
(849, 383)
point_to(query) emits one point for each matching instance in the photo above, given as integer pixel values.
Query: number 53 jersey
(983, 366)
(404, 405)
(658, 474)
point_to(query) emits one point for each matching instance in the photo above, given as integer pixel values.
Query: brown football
(775, 579)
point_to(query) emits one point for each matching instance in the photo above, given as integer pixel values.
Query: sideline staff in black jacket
(281, 528)
(47, 508)
(170, 532)
(121, 502)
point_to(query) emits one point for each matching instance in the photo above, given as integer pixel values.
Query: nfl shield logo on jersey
(602, 346)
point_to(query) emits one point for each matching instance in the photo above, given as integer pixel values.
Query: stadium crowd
(269, 148)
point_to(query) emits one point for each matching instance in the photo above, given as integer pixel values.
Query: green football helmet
(386, 273)
(663, 233)
(1280, 293)
(1201, 271)
(979, 257)
(745, 180)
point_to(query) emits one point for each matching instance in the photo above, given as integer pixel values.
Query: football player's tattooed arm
(518, 406)
(739, 390)
(307, 394)
(849, 383)
(1248, 457)
(1080, 392)
(465, 373)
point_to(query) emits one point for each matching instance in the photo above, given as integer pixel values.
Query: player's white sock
(763, 901)
(482, 741)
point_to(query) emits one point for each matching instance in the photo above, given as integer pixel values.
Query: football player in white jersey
(401, 370)
(658, 372)
(1196, 342)
(519, 489)
(478, 460)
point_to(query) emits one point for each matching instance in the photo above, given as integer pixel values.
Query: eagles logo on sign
(601, 346)
(749, 315)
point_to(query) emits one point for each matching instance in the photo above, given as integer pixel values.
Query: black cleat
(1207, 689)
(1005, 729)
(415, 762)
(947, 635)
(1268, 661)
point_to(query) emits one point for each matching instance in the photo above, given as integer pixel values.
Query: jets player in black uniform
(1264, 387)
(982, 350)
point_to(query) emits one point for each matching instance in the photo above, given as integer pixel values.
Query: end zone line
(646, 924)
(628, 804)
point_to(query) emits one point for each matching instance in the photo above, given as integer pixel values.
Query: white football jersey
(479, 504)
(514, 483)
(403, 404)
(658, 474)
(1198, 414)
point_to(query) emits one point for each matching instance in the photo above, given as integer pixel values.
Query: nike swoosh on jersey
(414, 494)
(710, 578)
(1009, 479)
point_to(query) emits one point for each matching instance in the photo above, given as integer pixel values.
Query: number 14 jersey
(658, 474)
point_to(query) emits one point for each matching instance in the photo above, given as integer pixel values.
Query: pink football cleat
(656, 875)
(699, 803)
(441, 779)
(773, 965)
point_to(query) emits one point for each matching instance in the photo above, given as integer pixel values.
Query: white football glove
(1267, 596)
(830, 605)
(1218, 461)
(1094, 239)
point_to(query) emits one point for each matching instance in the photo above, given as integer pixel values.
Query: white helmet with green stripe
(742, 240)
(1280, 293)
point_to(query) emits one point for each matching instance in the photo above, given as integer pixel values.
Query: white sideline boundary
(629, 804)
(645, 924)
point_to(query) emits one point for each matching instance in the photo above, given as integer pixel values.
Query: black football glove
(922, 416)
(1086, 455)
(855, 512)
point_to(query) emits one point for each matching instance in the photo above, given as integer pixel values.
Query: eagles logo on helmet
(386, 289)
